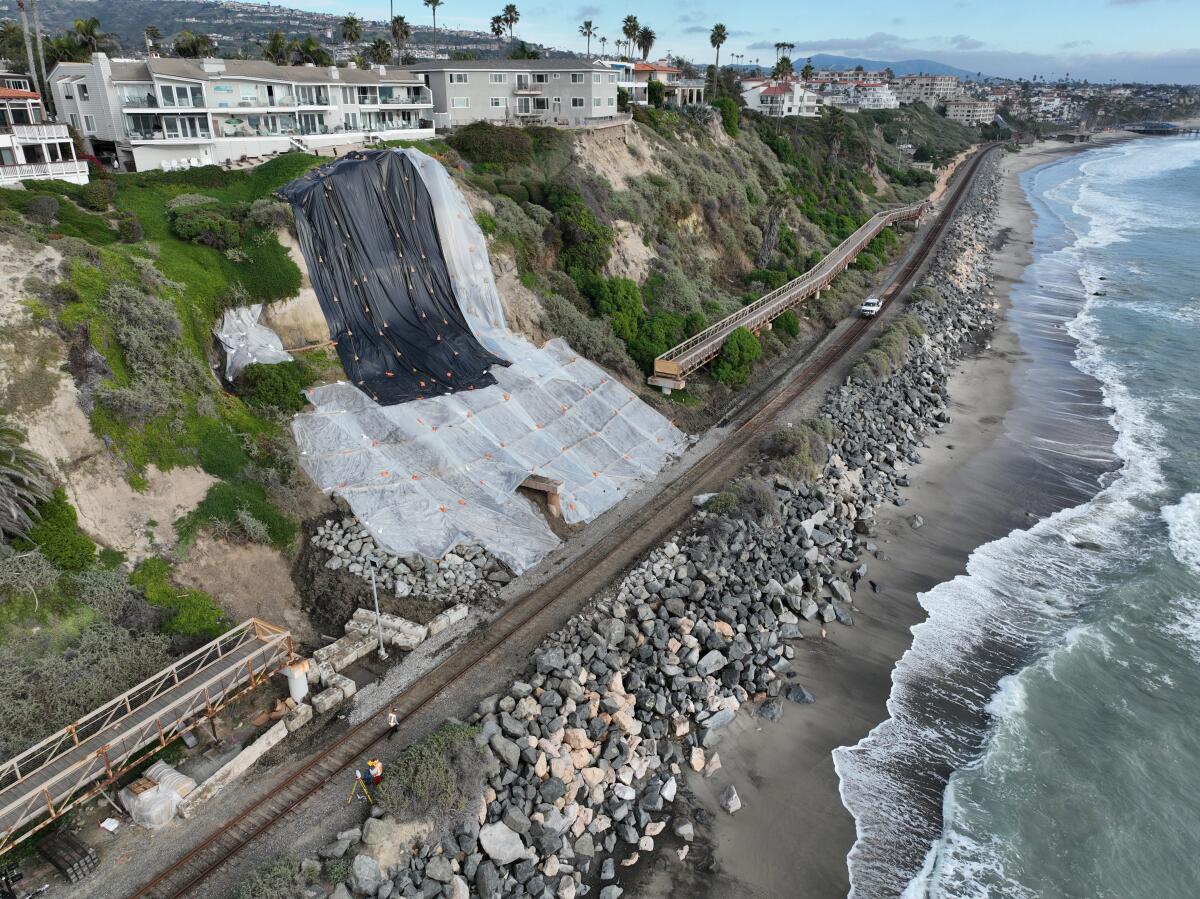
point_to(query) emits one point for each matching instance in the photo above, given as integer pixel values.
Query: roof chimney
(334, 75)
(212, 66)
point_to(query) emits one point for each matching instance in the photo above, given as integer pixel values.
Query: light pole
(372, 562)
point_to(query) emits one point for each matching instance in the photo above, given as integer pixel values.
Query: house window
(540, 104)
(612, 101)
(577, 102)
(577, 77)
(68, 94)
(558, 101)
(348, 96)
(7, 157)
(83, 91)
(595, 78)
(612, 79)
(497, 77)
(595, 102)
(458, 77)
(89, 124)
(74, 121)
(540, 78)
(460, 102)
(499, 102)
(556, 76)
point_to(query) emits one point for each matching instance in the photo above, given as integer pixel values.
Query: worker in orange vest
(375, 768)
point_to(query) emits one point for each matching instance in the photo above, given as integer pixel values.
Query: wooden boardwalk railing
(673, 367)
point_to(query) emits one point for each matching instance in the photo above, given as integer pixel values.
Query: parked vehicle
(870, 307)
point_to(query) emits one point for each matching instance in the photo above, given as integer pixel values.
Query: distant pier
(1162, 129)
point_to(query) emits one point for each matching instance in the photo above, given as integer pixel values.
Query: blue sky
(1144, 40)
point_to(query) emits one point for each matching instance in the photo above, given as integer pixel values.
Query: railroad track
(563, 592)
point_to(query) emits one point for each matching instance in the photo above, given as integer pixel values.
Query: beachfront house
(680, 91)
(160, 112)
(30, 147)
(780, 98)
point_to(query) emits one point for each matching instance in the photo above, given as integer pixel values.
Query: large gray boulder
(501, 844)
(365, 876)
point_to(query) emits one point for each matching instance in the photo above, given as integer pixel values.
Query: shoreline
(793, 832)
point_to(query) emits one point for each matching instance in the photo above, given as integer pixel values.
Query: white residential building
(970, 112)
(780, 98)
(31, 148)
(572, 92)
(875, 95)
(680, 91)
(928, 89)
(144, 114)
(852, 96)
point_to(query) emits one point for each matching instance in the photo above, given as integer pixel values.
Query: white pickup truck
(870, 307)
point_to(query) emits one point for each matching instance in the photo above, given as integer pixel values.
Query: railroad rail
(558, 597)
(673, 367)
(73, 764)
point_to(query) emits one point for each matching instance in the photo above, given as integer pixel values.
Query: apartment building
(853, 96)
(574, 92)
(161, 112)
(928, 89)
(30, 147)
(779, 98)
(970, 112)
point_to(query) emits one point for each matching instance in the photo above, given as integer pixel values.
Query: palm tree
(433, 6)
(193, 46)
(603, 46)
(808, 71)
(588, 30)
(629, 28)
(352, 29)
(401, 33)
(717, 37)
(28, 43)
(41, 54)
(310, 50)
(379, 51)
(510, 17)
(783, 69)
(88, 33)
(64, 48)
(24, 476)
(645, 40)
(497, 26)
(278, 49)
(151, 34)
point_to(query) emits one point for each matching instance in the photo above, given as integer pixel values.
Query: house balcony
(33, 133)
(69, 169)
(528, 90)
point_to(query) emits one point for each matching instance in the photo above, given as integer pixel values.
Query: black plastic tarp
(369, 236)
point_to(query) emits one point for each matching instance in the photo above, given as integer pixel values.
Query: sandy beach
(975, 484)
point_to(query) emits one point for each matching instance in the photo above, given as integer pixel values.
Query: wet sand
(975, 484)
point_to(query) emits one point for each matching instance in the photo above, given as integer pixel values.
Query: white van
(870, 307)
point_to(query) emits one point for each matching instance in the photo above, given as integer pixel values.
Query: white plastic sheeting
(427, 475)
(246, 341)
(152, 808)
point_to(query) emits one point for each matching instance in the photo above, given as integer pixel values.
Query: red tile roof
(11, 93)
(653, 67)
(777, 90)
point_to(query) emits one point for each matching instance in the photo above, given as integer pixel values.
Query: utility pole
(372, 563)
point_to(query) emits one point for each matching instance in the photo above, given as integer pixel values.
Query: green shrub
(441, 776)
(194, 613)
(487, 224)
(206, 225)
(587, 244)
(42, 210)
(279, 386)
(515, 192)
(275, 880)
(336, 870)
(218, 449)
(220, 508)
(187, 201)
(98, 195)
(741, 350)
(58, 537)
(483, 142)
(537, 192)
(656, 93)
(788, 324)
(724, 503)
(268, 213)
(130, 228)
(730, 116)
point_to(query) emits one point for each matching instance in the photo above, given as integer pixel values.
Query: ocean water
(1044, 730)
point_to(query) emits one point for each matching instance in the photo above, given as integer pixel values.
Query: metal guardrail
(36, 132)
(73, 763)
(685, 358)
(21, 171)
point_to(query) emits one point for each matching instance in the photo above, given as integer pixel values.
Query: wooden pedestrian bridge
(674, 367)
(72, 765)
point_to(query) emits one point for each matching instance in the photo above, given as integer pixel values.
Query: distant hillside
(900, 67)
(236, 26)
